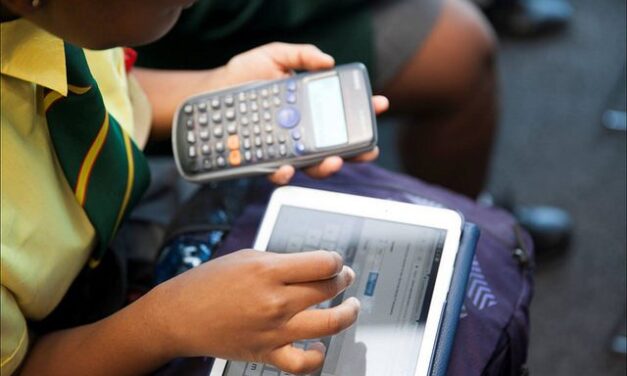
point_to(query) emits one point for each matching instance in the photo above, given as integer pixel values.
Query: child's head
(100, 24)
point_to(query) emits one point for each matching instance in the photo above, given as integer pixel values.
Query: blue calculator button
(290, 97)
(299, 148)
(291, 85)
(296, 134)
(288, 117)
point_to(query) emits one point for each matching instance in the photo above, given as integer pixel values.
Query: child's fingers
(327, 167)
(299, 56)
(367, 156)
(297, 361)
(305, 295)
(283, 175)
(318, 323)
(380, 104)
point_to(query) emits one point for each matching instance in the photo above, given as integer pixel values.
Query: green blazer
(212, 31)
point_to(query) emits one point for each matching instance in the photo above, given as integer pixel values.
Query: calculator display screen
(327, 112)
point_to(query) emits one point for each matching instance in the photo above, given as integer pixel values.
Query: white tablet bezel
(341, 203)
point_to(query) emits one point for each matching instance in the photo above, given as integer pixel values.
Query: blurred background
(553, 149)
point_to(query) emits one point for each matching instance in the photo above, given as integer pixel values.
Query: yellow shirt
(46, 236)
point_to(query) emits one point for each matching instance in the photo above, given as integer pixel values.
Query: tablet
(403, 256)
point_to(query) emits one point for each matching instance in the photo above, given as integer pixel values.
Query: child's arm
(249, 305)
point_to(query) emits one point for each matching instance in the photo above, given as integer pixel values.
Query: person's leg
(448, 89)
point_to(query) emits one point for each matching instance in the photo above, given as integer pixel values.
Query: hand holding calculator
(256, 128)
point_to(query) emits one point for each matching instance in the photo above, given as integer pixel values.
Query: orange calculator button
(233, 142)
(235, 158)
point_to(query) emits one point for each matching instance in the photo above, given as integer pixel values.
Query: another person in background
(434, 59)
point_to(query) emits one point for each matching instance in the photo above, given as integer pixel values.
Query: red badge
(130, 57)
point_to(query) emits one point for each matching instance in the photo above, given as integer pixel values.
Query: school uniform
(47, 235)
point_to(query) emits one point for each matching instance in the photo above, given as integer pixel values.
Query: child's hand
(253, 305)
(278, 60)
(274, 61)
(331, 165)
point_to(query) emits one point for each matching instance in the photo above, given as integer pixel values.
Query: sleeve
(14, 333)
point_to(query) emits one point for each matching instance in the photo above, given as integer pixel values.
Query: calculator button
(269, 140)
(206, 164)
(216, 117)
(202, 106)
(290, 97)
(189, 123)
(254, 117)
(220, 161)
(218, 131)
(248, 155)
(283, 150)
(205, 149)
(256, 129)
(296, 134)
(231, 128)
(191, 137)
(259, 154)
(267, 116)
(204, 134)
(232, 143)
(203, 119)
(271, 152)
(241, 97)
(188, 109)
(220, 146)
(215, 103)
(288, 117)
(276, 101)
(264, 93)
(268, 128)
(291, 85)
(265, 103)
(254, 106)
(245, 132)
(191, 152)
(229, 101)
(275, 89)
(230, 114)
(299, 148)
(246, 143)
(242, 108)
(257, 141)
(235, 158)
(243, 121)
(252, 95)
(282, 138)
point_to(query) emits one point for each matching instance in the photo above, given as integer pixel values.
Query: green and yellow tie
(103, 166)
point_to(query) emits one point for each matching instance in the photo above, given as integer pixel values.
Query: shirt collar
(32, 54)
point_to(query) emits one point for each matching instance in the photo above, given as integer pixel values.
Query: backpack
(493, 332)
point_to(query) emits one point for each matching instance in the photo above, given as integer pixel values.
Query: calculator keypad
(244, 128)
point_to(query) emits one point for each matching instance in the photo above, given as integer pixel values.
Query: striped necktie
(103, 166)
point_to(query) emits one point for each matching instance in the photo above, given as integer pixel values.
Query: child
(73, 123)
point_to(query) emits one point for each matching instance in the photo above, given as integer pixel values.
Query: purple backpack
(493, 331)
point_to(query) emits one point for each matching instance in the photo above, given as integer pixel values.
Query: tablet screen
(396, 265)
